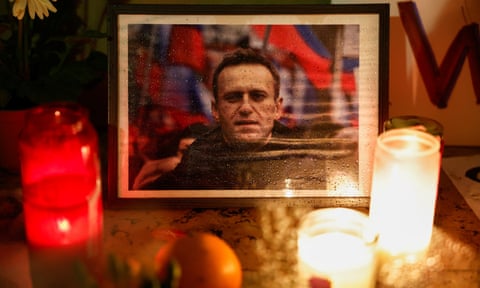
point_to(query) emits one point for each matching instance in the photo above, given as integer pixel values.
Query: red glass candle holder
(61, 178)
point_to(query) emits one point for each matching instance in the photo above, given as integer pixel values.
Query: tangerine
(205, 260)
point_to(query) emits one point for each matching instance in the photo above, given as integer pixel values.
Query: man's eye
(258, 96)
(232, 97)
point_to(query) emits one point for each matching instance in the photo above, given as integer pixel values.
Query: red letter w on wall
(440, 80)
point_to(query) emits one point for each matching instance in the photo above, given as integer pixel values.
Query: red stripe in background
(287, 37)
(187, 47)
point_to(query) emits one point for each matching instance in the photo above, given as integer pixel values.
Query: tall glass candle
(61, 186)
(404, 190)
(337, 248)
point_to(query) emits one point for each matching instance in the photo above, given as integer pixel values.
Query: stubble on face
(246, 107)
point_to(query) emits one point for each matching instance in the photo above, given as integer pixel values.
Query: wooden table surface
(264, 239)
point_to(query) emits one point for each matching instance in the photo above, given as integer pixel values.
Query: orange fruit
(204, 260)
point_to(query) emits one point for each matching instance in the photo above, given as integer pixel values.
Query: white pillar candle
(404, 190)
(336, 245)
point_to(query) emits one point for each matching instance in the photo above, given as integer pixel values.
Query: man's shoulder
(209, 140)
(283, 131)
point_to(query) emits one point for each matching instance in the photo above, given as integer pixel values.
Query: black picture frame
(132, 95)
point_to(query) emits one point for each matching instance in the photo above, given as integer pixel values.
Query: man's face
(246, 107)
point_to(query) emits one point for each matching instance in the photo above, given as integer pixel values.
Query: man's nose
(245, 105)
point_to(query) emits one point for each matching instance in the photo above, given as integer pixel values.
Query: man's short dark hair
(246, 56)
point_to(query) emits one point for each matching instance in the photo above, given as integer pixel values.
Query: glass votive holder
(337, 248)
(61, 186)
(404, 191)
(419, 123)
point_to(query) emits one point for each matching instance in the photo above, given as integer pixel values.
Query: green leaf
(428, 125)
(174, 271)
(84, 278)
(118, 270)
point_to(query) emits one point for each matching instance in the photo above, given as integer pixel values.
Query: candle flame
(86, 152)
(63, 225)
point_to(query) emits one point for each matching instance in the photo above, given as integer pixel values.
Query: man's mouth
(245, 123)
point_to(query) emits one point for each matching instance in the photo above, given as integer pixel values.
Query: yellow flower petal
(32, 9)
(47, 5)
(18, 9)
(40, 8)
(36, 8)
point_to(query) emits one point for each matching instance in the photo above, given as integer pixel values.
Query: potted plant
(46, 54)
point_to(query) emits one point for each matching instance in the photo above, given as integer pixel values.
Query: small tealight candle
(404, 191)
(337, 246)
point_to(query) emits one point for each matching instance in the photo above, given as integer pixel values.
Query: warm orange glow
(337, 245)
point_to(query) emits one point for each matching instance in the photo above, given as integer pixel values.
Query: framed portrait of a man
(243, 103)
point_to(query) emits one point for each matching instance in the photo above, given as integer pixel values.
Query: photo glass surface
(328, 67)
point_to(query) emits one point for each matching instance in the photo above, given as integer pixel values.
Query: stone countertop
(264, 239)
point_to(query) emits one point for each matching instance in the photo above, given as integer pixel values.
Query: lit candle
(60, 176)
(59, 213)
(336, 245)
(61, 191)
(404, 190)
